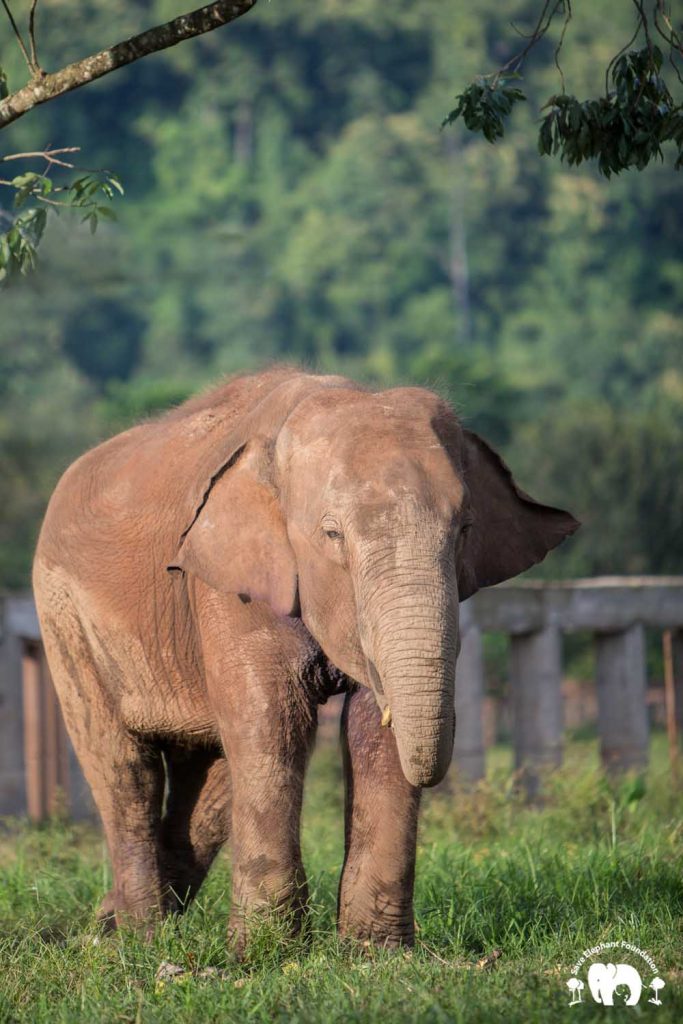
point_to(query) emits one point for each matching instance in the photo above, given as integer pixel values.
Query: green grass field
(596, 864)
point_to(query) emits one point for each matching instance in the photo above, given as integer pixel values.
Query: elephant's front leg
(267, 767)
(376, 890)
(267, 723)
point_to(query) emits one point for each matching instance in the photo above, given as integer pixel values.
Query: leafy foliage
(88, 195)
(625, 129)
(484, 106)
(18, 245)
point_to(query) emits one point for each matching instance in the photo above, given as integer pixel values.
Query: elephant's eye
(333, 534)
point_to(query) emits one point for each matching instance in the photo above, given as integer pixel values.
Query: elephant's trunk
(411, 639)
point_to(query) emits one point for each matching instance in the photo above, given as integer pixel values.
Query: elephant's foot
(110, 917)
(106, 913)
(245, 933)
(280, 918)
(372, 916)
(394, 934)
(178, 895)
(184, 878)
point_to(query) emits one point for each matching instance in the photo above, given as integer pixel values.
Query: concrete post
(12, 784)
(56, 746)
(536, 685)
(622, 708)
(468, 750)
(677, 648)
(34, 733)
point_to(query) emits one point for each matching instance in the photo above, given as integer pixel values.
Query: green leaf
(22, 180)
(115, 182)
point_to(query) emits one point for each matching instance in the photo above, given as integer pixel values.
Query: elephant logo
(607, 980)
(614, 984)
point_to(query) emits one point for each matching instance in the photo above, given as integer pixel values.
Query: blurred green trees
(290, 196)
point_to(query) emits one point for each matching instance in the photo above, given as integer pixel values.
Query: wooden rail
(39, 773)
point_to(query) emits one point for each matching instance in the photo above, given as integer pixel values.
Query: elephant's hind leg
(196, 821)
(124, 772)
(127, 786)
(129, 798)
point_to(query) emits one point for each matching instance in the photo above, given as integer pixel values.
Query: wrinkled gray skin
(319, 538)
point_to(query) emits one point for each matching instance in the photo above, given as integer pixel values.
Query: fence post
(622, 708)
(12, 775)
(536, 685)
(56, 746)
(34, 733)
(677, 650)
(468, 749)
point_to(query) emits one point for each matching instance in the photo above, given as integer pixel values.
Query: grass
(597, 863)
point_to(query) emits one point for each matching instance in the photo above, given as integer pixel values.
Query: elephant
(206, 579)
(605, 979)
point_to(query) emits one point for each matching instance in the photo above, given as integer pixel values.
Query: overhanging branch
(44, 87)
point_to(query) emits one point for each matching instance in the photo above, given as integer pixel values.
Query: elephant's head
(605, 979)
(371, 516)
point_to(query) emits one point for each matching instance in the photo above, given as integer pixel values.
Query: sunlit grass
(595, 863)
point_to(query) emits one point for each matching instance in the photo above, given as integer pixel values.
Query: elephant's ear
(509, 531)
(237, 541)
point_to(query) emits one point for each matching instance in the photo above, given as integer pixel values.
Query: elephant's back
(116, 518)
(142, 482)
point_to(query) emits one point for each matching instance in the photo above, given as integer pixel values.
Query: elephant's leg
(127, 786)
(267, 742)
(126, 779)
(376, 889)
(129, 796)
(267, 722)
(196, 821)
(125, 775)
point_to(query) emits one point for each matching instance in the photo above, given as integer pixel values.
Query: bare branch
(670, 36)
(51, 155)
(548, 12)
(644, 22)
(17, 33)
(32, 38)
(560, 42)
(39, 199)
(186, 26)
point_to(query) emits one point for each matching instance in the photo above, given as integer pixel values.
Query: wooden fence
(39, 773)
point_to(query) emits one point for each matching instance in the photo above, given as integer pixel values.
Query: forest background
(290, 196)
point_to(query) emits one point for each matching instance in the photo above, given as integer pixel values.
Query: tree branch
(48, 86)
(50, 155)
(32, 37)
(17, 33)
